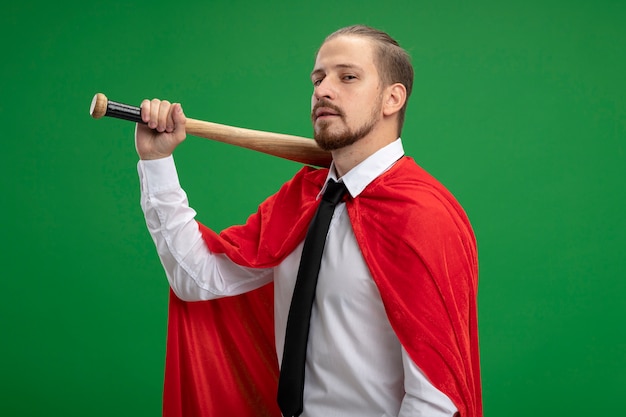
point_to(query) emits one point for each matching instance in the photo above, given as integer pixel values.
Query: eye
(349, 77)
(317, 81)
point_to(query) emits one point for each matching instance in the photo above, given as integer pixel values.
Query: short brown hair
(392, 61)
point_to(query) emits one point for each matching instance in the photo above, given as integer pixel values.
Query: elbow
(188, 289)
(183, 295)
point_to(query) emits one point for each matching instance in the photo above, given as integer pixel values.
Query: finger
(154, 113)
(169, 122)
(164, 110)
(145, 110)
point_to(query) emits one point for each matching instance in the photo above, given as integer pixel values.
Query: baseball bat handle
(293, 148)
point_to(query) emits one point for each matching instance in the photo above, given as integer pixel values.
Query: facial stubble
(329, 140)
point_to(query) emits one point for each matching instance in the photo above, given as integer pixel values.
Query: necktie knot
(334, 192)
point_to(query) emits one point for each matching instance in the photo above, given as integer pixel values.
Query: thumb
(179, 119)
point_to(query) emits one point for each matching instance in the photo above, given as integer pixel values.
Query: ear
(394, 99)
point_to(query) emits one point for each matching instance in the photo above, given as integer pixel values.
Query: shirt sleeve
(193, 272)
(421, 397)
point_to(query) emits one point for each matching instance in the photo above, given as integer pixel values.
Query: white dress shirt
(355, 363)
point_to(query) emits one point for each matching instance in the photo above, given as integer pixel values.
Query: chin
(330, 142)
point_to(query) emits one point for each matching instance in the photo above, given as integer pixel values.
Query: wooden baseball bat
(294, 148)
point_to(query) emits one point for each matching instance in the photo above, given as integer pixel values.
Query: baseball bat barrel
(293, 148)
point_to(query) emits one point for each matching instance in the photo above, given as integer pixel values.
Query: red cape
(421, 251)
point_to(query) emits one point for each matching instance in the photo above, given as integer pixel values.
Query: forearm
(194, 273)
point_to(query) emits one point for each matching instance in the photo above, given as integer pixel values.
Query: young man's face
(347, 95)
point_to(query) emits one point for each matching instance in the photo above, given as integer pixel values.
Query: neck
(350, 156)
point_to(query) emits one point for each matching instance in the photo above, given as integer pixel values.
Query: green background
(519, 108)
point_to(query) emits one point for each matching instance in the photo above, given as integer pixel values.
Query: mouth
(324, 113)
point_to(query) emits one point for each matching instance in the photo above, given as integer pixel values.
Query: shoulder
(307, 181)
(407, 194)
(407, 182)
(300, 191)
(309, 176)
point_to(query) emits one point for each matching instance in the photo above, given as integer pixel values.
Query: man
(393, 325)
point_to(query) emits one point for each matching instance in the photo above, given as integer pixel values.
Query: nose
(324, 89)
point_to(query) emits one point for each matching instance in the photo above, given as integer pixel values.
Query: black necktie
(291, 381)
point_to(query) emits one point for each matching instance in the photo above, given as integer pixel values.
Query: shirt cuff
(158, 175)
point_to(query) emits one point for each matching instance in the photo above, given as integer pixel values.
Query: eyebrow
(338, 66)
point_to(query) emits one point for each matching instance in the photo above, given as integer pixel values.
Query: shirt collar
(359, 177)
